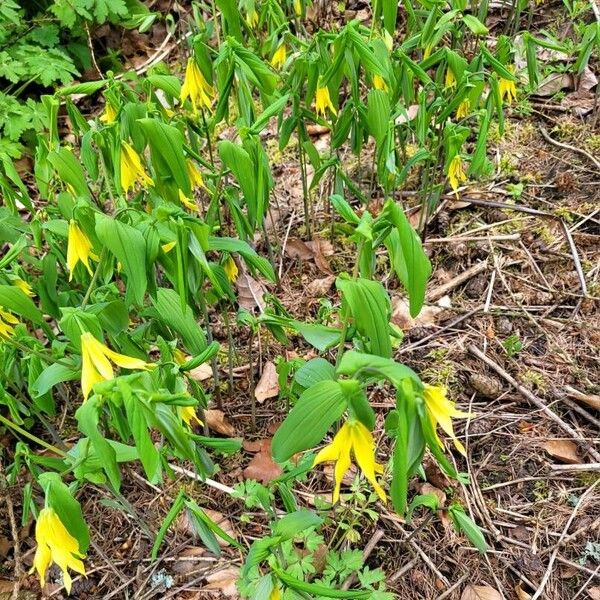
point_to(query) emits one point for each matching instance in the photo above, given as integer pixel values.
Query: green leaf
(319, 336)
(176, 508)
(355, 364)
(378, 115)
(169, 311)
(129, 246)
(53, 374)
(167, 83)
(464, 523)
(318, 590)
(69, 170)
(428, 500)
(315, 370)
(14, 299)
(309, 420)
(475, 25)
(291, 525)
(87, 88)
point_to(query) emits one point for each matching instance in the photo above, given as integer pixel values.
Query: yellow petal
(279, 56)
(166, 248)
(187, 202)
(194, 174)
(188, 414)
(363, 447)
(231, 269)
(6, 316)
(379, 83)
(23, 286)
(126, 362)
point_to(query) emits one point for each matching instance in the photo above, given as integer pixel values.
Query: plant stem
(88, 292)
(302, 161)
(32, 437)
(251, 381)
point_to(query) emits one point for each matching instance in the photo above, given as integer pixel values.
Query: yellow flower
(6, 323)
(132, 171)
(95, 363)
(279, 57)
(440, 411)
(188, 414)
(79, 249)
(168, 247)
(463, 109)
(275, 593)
(252, 18)
(507, 88)
(298, 8)
(196, 88)
(187, 202)
(352, 438)
(231, 269)
(456, 175)
(379, 83)
(109, 115)
(179, 356)
(323, 101)
(195, 175)
(55, 544)
(449, 80)
(24, 287)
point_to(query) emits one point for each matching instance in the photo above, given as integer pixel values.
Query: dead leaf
(554, 83)
(314, 129)
(251, 445)
(6, 586)
(262, 467)
(224, 523)
(427, 488)
(587, 80)
(401, 315)
(201, 372)
(250, 293)
(224, 581)
(412, 112)
(296, 248)
(321, 246)
(480, 592)
(190, 560)
(592, 400)
(319, 287)
(594, 593)
(268, 384)
(217, 421)
(521, 593)
(563, 450)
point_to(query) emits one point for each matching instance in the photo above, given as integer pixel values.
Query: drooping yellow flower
(231, 269)
(179, 356)
(352, 438)
(441, 411)
(56, 544)
(196, 88)
(298, 8)
(449, 79)
(194, 174)
(95, 363)
(463, 109)
(456, 175)
(275, 593)
(166, 248)
(323, 101)
(252, 19)
(132, 171)
(7, 322)
(278, 59)
(79, 249)
(24, 287)
(188, 414)
(109, 115)
(187, 202)
(507, 88)
(379, 83)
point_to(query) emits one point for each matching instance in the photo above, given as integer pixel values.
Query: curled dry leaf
(480, 592)
(262, 467)
(217, 421)
(201, 372)
(563, 450)
(296, 248)
(521, 593)
(250, 293)
(268, 384)
(224, 581)
(401, 315)
(594, 593)
(319, 287)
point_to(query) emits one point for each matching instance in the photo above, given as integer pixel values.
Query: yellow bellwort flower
(507, 88)
(7, 322)
(463, 109)
(456, 175)
(323, 101)
(231, 269)
(279, 56)
(166, 248)
(55, 544)
(275, 593)
(353, 438)
(449, 79)
(196, 88)
(132, 170)
(187, 202)
(109, 115)
(298, 8)
(194, 174)
(188, 414)
(441, 411)
(252, 19)
(79, 249)
(379, 83)
(24, 287)
(95, 363)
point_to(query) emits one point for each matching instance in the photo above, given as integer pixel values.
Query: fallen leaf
(592, 400)
(319, 287)
(554, 83)
(296, 248)
(427, 488)
(190, 560)
(563, 450)
(262, 467)
(521, 593)
(250, 293)
(6, 586)
(321, 248)
(314, 129)
(217, 421)
(401, 315)
(268, 384)
(201, 372)
(587, 79)
(480, 592)
(224, 581)
(252, 445)
(223, 522)
(594, 593)
(411, 113)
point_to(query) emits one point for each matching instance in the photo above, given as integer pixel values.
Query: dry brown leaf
(594, 593)
(401, 315)
(427, 488)
(480, 592)
(262, 467)
(592, 400)
(412, 112)
(319, 287)
(224, 523)
(268, 384)
(587, 80)
(315, 129)
(296, 248)
(554, 83)
(563, 450)
(252, 445)
(190, 560)
(521, 593)
(217, 421)
(224, 582)
(250, 292)
(201, 372)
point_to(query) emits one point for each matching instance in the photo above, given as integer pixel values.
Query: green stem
(305, 197)
(32, 437)
(42, 355)
(88, 292)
